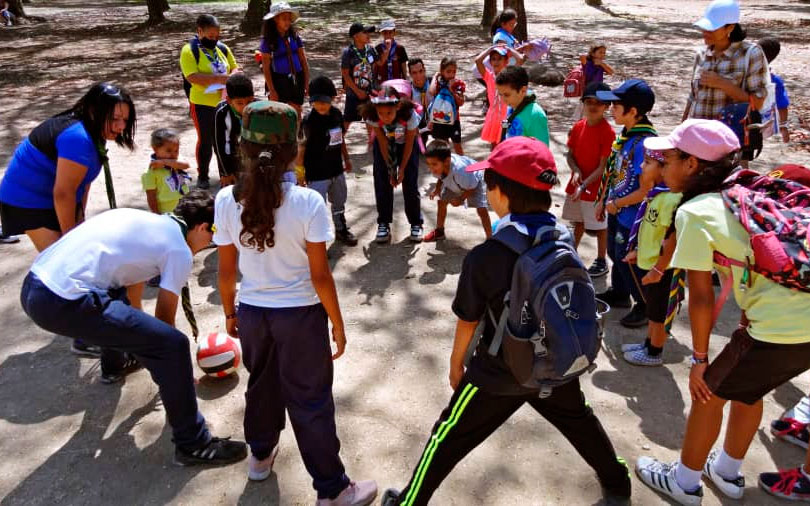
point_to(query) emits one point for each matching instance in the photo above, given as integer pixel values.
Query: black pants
(203, 117)
(622, 280)
(473, 414)
(384, 192)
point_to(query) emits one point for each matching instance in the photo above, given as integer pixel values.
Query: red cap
(523, 160)
(793, 172)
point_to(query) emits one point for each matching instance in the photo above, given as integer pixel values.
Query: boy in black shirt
(357, 69)
(323, 156)
(228, 126)
(519, 174)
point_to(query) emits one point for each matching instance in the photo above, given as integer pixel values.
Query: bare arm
(151, 199)
(572, 164)
(410, 137)
(479, 61)
(464, 334)
(325, 288)
(701, 305)
(597, 173)
(226, 280)
(166, 306)
(347, 78)
(69, 175)
(607, 68)
(302, 56)
(206, 79)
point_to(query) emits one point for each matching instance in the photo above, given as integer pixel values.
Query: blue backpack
(443, 110)
(549, 328)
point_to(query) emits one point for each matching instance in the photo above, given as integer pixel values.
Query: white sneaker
(731, 488)
(661, 478)
(632, 347)
(259, 470)
(360, 493)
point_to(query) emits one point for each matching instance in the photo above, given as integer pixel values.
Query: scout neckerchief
(642, 129)
(185, 293)
(390, 139)
(390, 64)
(527, 101)
(217, 66)
(422, 93)
(105, 162)
(177, 176)
(289, 57)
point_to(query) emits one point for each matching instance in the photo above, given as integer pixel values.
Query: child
(448, 96)
(525, 116)
(420, 92)
(519, 175)
(455, 186)
(356, 68)
(396, 160)
(228, 126)
(393, 62)
(284, 60)
(771, 47)
(770, 346)
(165, 181)
(622, 189)
(651, 229)
(589, 144)
(323, 154)
(7, 15)
(594, 66)
(502, 32)
(274, 233)
(496, 113)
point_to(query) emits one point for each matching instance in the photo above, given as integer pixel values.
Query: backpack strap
(500, 326)
(726, 283)
(194, 44)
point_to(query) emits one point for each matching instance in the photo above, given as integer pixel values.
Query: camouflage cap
(266, 122)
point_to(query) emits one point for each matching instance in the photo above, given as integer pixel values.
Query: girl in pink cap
(765, 351)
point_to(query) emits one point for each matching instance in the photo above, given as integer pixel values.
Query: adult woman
(728, 70)
(284, 61)
(206, 62)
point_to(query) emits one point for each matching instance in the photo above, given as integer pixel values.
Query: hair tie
(655, 155)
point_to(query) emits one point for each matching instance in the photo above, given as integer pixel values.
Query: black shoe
(390, 497)
(154, 282)
(218, 452)
(598, 269)
(131, 365)
(346, 237)
(203, 183)
(82, 349)
(635, 318)
(613, 300)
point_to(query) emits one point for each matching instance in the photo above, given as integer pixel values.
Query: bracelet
(695, 360)
(230, 316)
(656, 269)
(699, 354)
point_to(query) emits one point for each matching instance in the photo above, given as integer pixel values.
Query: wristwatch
(695, 360)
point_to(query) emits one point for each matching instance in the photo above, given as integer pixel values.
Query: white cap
(386, 25)
(718, 14)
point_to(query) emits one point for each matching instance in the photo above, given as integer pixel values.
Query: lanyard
(363, 57)
(391, 53)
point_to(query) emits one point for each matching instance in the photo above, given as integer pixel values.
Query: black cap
(592, 88)
(360, 27)
(322, 89)
(632, 93)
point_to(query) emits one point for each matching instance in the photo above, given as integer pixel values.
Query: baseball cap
(798, 173)
(280, 7)
(388, 25)
(500, 50)
(524, 160)
(360, 27)
(322, 89)
(718, 14)
(633, 93)
(706, 139)
(592, 88)
(267, 122)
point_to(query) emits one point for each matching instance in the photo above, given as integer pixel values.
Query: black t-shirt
(486, 276)
(393, 64)
(324, 141)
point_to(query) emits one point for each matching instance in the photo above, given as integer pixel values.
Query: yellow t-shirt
(776, 314)
(653, 229)
(168, 188)
(205, 66)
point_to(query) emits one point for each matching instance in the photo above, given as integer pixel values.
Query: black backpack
(194, 43)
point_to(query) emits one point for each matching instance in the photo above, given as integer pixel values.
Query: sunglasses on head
(111, 90)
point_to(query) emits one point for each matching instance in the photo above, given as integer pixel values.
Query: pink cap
(524, 160)
(706, 139)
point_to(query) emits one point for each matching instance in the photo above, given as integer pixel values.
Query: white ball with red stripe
(219, 355)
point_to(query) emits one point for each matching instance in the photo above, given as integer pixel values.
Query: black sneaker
(598, 269)
(390, 497)
(82, 349)
(792, 431)
(635, 318)
(154, 282)
(346, 237)
(203, 183)
(792, 484)
(613, 300)
(217, 452)
(8, 239)
(131, 365)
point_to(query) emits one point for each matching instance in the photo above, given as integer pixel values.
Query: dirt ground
(68, 439)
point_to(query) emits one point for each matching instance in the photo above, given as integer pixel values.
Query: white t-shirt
(115, 249)
(458, 180)
(279, 276)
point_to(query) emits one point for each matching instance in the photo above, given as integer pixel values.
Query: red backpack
(574, 83)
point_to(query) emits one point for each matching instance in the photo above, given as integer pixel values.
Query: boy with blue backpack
(514, 364)
(443, 117)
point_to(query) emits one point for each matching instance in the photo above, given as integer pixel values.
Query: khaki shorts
(581, 211)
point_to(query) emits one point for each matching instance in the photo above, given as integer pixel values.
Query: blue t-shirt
(31, 174)
(281, 60)
(782, 99)
(628, 177)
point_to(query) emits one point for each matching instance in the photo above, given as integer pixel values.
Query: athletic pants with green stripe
(473, 414)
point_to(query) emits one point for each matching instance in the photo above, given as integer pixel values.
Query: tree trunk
(156, 9)
(252, 22)
(594, 3)
(490, 9)
(521, 31)
(16, 8)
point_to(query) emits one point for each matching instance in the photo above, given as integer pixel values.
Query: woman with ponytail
(765, 351)
(276, 233)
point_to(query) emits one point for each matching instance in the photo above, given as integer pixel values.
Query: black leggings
(203, 117)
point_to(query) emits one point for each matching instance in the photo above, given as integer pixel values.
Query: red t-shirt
(588, 144)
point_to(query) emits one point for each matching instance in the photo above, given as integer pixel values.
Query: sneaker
(416, 233)
(259, 470)
(434, 235)
(154, 282)
(731, 488)
(661, 478)
(217, 452)
(131, 365)
(641, 357)
(791, 484)
(358, 493)
(613, 300)
(635, 318)
(8, 239)
(383, 233)
(598, 268)
(83, 349)
(390, 497)
(346, 237)
(203, 183)
(791, 430)
(633, 347)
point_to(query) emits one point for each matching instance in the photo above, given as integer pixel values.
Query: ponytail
(502, 17)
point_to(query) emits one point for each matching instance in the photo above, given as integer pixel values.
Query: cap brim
(592, 95)
(658, 143)
(705, 24)
(607, 96)
(478, 166)
(320, 98)
(271, 15)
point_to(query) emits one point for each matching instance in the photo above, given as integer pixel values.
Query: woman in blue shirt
(284, 61)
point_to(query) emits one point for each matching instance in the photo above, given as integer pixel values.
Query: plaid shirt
(706, 103)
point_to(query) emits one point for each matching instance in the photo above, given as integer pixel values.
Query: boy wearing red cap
(520, 173)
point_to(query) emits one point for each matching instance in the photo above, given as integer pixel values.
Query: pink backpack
(574, 83)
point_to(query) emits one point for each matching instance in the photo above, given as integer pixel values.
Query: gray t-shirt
(459, 180)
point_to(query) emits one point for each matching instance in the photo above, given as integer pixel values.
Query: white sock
(727, 467)
(687, 479)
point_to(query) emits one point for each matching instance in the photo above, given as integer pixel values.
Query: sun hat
(632, 93)
(706, 139)
(388, 25)
(268, 122)
(280, 7)
(360, 27)
(718, 14)
(524, 160)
